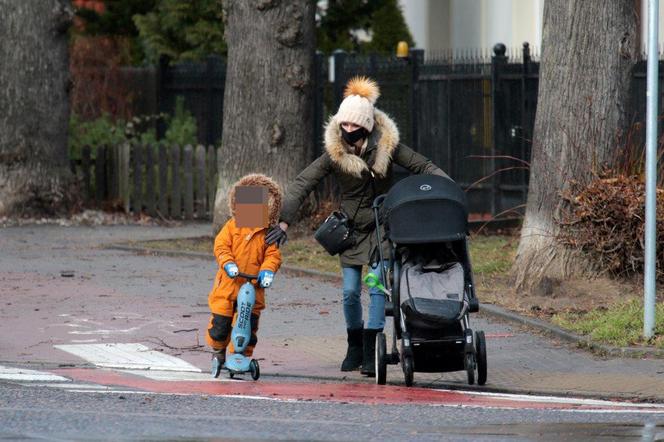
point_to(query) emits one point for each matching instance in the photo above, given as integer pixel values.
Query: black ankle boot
(353, 358)
(369, 352)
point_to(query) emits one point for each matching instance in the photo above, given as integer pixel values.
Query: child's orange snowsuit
(245, 247)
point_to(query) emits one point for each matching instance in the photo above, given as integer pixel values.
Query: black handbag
(336, 234)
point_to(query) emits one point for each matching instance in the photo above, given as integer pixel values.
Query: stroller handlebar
(378, 201)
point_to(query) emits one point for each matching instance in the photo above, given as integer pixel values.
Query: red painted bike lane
(368, 394)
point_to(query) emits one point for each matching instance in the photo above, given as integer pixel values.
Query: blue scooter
(238, 363)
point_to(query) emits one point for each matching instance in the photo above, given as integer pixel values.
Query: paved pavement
(160, 302)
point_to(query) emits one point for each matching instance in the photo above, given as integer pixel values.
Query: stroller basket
(434, 297)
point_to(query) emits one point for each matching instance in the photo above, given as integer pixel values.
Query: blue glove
(265, 278)
(231, 269)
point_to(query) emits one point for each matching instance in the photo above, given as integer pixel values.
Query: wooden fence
(161, 181)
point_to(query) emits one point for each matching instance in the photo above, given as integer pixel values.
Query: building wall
(439, 25)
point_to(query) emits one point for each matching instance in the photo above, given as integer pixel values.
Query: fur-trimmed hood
(385, 136)
(275, 194)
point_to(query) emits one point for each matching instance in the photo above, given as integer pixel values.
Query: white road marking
(128, 356)
(23, 374)
(557, 399)
(105, 332)
(68, 386)
(178, 376)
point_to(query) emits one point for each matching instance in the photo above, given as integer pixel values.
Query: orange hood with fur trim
(274, 194)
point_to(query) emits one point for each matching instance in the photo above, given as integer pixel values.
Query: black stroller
(429, 280)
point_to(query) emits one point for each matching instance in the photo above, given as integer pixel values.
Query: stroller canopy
(425, 208)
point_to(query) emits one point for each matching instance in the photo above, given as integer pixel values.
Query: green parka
(354, 179)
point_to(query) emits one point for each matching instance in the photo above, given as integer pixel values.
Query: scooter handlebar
(247, 276)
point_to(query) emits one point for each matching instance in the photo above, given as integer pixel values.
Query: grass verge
(620, 324)
(490, 255)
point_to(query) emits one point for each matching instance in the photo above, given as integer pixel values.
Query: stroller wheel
(480, 342)
(381, 362)
(255, 369)
(469, 363)
(408, 370)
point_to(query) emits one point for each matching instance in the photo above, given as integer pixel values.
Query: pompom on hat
(358, 105)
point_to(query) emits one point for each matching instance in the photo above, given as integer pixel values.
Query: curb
(489, 309)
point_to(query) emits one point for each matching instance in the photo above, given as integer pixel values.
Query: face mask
(354, 136)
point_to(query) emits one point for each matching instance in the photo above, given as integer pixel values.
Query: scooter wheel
(216, 366)
(255, 369)
(231, 374)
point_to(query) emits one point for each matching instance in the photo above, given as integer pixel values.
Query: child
(255, 203)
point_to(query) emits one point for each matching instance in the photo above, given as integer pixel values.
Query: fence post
(416, 58)
(524, 108)
(319, 82)
(209, 102)
(200, 182)
(373, 65)
(188, 182)
(497, 61)
(112, 172)
(162, 67)
(176, 194)
(339, 77)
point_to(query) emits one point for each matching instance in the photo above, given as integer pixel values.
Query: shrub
(606, 219)
(181, 126)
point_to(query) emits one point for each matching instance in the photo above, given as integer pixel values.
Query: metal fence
(472, 114)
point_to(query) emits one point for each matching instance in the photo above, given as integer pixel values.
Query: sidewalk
(161, 301)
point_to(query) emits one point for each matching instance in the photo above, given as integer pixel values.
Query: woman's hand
(277, 234)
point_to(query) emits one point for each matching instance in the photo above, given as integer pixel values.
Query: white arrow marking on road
(23, 374)
(128, 356)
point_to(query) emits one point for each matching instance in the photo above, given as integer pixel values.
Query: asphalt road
(116, 297)
(32, 413)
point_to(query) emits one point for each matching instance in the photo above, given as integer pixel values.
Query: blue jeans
(352, 288)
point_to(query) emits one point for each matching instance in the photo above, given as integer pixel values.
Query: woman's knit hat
(358, 105)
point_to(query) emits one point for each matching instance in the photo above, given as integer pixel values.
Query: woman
(361, 144)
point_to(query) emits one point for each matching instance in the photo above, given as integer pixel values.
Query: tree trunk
(267, 124)
(588, 52)
(34, 106)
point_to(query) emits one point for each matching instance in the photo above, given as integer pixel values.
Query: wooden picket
(188, 174)
(211, 178)
(164, 181)
(176, 191)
